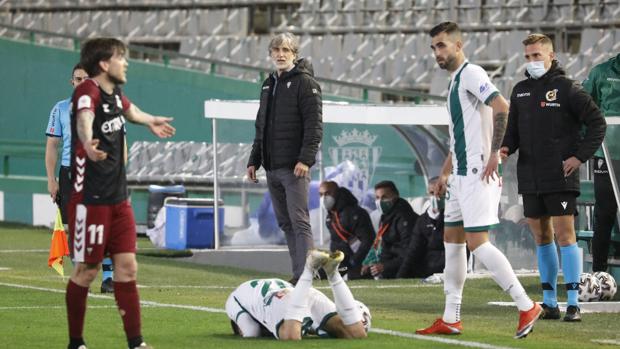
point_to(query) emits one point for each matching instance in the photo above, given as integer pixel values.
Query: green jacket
(603, 84)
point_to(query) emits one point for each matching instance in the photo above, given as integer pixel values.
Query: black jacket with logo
(546, 124)
(425, 254)
(350, 228)
(395, 240)
(289, 122)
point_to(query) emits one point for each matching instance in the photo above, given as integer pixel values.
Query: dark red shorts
(100, 230)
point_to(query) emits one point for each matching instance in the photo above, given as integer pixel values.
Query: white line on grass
(437, 339)
(25, 251)
(100, 296)
(317, 287)
(215, 310)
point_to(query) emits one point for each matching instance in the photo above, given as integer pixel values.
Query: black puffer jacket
(395, 239)
(425, 254)
(350, 227)
(289, 123)
(545, 124)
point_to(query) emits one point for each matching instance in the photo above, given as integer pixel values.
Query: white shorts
(471, 202)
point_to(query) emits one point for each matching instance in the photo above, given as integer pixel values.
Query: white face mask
(378, 205)
(327, 201)
(536, 69)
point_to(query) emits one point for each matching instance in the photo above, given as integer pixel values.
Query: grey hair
(287, 39)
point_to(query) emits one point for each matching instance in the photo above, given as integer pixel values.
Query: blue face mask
(536, 69)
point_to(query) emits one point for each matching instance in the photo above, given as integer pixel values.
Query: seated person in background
(425, 254)
(273, 307)
(349, 226)
(395, 228)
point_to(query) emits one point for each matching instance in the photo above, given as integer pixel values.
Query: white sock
(501, 271)
(297, 307)
(346, 305)
(454, 272)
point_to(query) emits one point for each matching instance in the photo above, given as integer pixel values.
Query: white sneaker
(144, 346)
(331, 266)
(82, 347)
(316, 259)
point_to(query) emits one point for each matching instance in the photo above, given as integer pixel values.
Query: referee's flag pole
(59, 247)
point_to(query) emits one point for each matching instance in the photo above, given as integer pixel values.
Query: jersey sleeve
(86, 96)
(54, 129)
(125, 102)
(477, 82)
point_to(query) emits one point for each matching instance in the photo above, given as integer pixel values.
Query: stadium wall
(36, 77)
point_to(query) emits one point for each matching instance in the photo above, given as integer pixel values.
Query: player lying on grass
(268, 307)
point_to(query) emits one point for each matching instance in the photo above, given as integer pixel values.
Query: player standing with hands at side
(470, 179)
(100, 216)
(289, 128)
(548, 112)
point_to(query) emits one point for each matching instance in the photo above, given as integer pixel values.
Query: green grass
(166, 280)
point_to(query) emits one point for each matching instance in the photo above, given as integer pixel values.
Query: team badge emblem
(552, 95)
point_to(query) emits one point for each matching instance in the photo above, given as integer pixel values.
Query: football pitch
(183, 308)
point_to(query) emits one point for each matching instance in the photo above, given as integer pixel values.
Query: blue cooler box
(190, 222)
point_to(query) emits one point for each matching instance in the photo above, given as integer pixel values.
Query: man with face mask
(548, 115)
(395, 227)
(425, 254)
(349, 226)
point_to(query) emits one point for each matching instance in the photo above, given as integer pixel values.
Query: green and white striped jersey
(471, 119)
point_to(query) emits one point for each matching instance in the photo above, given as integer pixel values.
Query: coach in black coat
(288, 132)
(349, 226)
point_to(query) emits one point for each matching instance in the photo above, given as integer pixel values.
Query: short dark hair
(97, 50)
(447, 27)
(76, 67)
(387, 185)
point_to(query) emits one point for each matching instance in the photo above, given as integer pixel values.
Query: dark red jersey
(105, 181)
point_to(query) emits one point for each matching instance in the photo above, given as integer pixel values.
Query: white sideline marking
(215, 310)
(58, 307)
(585, 307)
(100, 296)
(25, 251)
(4, 269)
(606, 341)
(212, 287)
(437, 339)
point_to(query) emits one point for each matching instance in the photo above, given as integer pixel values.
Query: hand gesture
(301, 170)
(92, 152)
(490, 170)
(251, 173)
(571, 165)
(160, 126)
(439, 187)
(52, 188)
(503, 152)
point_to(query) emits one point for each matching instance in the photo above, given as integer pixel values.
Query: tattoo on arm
(500, 121)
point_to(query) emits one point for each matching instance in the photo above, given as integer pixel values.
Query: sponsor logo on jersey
(288, 84)
(484, 87)
(552, 105)
(523, 94)
(265, 87)
(564, 204)
(315, 91)
(113, 125)
(84, 102)
(551, 95)
(613, 79)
